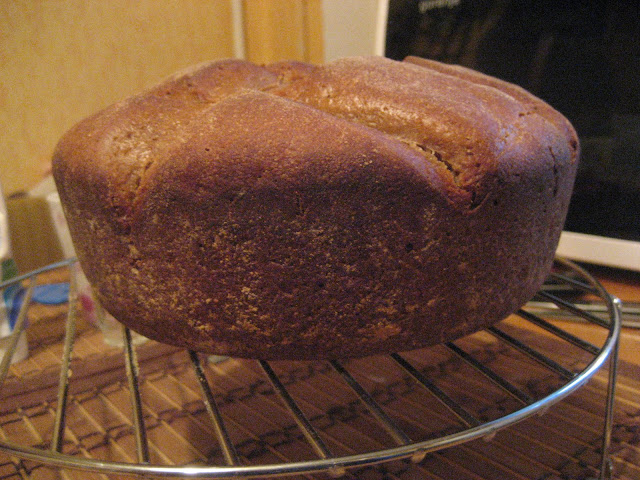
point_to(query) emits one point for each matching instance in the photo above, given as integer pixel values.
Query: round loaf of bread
(294, 211)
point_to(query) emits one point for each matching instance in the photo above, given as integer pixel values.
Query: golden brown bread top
(450, 126)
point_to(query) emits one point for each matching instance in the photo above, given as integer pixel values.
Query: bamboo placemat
(562, 443)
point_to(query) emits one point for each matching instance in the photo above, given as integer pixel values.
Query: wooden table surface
(562, 443)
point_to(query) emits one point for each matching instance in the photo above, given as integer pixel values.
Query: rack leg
(606, 466)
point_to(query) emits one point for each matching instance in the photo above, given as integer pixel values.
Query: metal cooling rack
(560, 375)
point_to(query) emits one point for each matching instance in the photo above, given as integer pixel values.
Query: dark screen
(582, 57)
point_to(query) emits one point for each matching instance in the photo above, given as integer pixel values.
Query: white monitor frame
(607, 251)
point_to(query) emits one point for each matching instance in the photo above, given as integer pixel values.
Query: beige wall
(61, 60)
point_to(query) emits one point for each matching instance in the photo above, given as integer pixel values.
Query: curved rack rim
(61, 460)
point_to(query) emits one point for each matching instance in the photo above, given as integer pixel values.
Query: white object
(354, 27)
(612, 252)
(22, 348)
(60, 224)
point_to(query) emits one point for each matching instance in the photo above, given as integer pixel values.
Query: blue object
(13, 297)
(51, 294)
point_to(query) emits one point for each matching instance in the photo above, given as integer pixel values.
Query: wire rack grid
(469, 394)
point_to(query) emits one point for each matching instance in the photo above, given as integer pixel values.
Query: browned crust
(299, 211)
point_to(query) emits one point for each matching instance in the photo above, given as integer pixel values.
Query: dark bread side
(306, 212)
